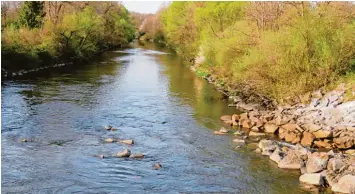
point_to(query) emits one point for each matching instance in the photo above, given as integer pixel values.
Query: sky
(143, 6)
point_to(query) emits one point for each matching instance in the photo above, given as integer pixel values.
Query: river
(147, 94)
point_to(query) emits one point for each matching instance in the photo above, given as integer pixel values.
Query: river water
(150, 97)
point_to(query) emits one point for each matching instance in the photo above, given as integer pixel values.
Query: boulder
(124, 153)
(307, 139)
(277, 156)
(127, 141)
(312, 178)
(255, 129)
(317, 162)
(108, 127)
(335, 164)
(290, 161)
(346, 184)
(226, 117)
(322, 134)
(270, 128)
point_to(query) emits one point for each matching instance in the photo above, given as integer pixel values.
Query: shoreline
(316, 138)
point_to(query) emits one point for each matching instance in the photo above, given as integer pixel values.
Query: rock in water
(127, 141)
(223, 130)
(124, 153)
(108, 127)
(156, 166)
(137, 155)
(109, 140)
(312, 178)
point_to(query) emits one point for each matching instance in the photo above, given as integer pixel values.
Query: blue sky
(143, 6)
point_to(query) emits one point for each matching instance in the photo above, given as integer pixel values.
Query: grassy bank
(275, 49)
(62, 31)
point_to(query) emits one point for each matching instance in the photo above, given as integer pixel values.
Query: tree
(32, 14)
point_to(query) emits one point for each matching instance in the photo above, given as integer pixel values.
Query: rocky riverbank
(317, 138)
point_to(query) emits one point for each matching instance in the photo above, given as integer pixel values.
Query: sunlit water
(150, 97)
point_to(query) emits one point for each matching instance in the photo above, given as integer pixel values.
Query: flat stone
(322, 144)
(312, 178)
(322, 134)
(346, 184)
(124, 153)
(270, 128)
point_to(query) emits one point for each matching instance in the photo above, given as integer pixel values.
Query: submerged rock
(157, 166)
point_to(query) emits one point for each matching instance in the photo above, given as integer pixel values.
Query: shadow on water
(150, 96)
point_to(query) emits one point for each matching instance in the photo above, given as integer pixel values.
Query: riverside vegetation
(289, 65)
(37, 34)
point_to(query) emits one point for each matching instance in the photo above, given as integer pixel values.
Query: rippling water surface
(150, 97)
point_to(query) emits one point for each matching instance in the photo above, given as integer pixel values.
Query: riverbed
(149, 96)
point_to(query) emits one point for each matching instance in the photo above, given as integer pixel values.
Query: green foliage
(79, 34)
(276, 49)
(32, 14)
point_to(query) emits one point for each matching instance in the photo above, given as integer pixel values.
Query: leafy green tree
(32, 14)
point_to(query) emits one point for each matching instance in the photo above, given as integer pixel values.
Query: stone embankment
(317, 138)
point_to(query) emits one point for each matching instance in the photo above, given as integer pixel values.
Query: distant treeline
(37, 33)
